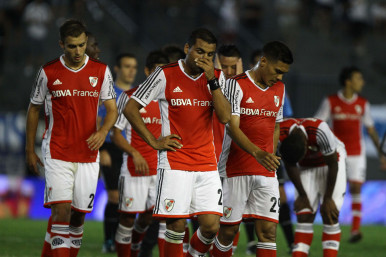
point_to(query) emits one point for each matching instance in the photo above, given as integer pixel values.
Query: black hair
(173, 52)
(156, 57)
(346, 73)
(203, 34)
(254, 54)
(277, 51)
(229, 51)
(121, 56)
(72, 28)
(292, 149)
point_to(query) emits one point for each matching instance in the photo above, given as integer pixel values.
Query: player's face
(92, 48)
(128, 70)
(357, 82)
(272, 71)
(200, 50)
(74, 49)
(228, 65)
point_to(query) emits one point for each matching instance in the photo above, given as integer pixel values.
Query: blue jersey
(287, 108)
(102, 111)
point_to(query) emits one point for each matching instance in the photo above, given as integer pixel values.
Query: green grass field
(23, 237)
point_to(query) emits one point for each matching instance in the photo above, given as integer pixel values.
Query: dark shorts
(111, 175)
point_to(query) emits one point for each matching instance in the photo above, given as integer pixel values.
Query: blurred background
(324, 35)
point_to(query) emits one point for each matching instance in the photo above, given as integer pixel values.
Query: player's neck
(188, 71)
(122, 85)
(348, 93)
(74, 65)
(254, 74)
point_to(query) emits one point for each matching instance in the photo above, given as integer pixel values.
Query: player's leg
(46, 251)
(331, 229)
(356, 175)
(251, 242)
(174, 236)
(124, 234)
(236, 191)
(85, 184)
(266, 234)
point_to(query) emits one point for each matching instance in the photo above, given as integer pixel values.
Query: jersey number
(275, 201)
(220, 200)
(92, 201)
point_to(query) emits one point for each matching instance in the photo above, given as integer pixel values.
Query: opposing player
(315, 161)
(188, 181)
(248, 162)
(348, 112)
(139, 169)
(125, 69)
(70, 87)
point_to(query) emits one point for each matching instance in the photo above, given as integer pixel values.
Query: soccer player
(188, 182)
(248, 162)
(348, 111)
(229, 60)
(315, 161)
(139, 169)
(70, 87)
(92, 48)
(111, 156)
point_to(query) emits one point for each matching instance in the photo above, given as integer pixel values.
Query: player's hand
(329, 211)
(95, 141)
(302, 204)
(269, 161)
(207, 65)
(382, 160)
(140, 164)
(239, 66)
(168, 143)
(32, 162)
(217, 63)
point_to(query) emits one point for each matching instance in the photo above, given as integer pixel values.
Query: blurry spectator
(323, 16)
(378, 16)
(251, 16)
(229, 20)
(37, 16)
(288, 20)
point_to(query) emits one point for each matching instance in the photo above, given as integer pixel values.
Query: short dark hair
(229, 51)
(156, 57)
(346, 73)
(121, 56)
(72, 28)
(254, 54)
(203, 34)
(277, 51)
(173, 52)
(292, 149)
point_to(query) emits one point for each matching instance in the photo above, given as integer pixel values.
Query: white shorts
(356, 168)
(250, 197)
(314, 181)
(184, 194)
(136, 194)
(70, 182)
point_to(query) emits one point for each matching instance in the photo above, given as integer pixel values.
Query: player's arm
(220, 103)
(276, 135)
(96, 140)
(324, 110)
(302, 203)
(132, 114)
(268, 160)
(375, 138)
(141, 166)
(328, 208)
(31, 128)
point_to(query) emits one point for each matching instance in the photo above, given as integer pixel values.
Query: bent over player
(188, 181)
(315, 161)
(70, 88)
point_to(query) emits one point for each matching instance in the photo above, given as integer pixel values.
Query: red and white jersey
(218, 136)
(346, 118)
(259, 110)
(71, 100)
(152, 118)
(321, 140)
(186, 110)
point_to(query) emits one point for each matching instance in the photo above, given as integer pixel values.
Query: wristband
(213, 84)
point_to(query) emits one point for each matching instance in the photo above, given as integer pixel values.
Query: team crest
(93, 81)
(358, 108)
(169, 204)
(227, 212)
(129, 201)
(276, 100)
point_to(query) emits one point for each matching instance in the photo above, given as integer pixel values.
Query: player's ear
(147, 71)
(263, 61)
(186, 48)
(61, 44)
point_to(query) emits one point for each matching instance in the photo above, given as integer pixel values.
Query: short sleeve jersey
(259, 110)
(320, 139)
(71, 100)
(186, 110)
(152, 118)
(347, 117)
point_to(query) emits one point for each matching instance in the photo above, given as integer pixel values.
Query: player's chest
(260, 103)
(343, 110)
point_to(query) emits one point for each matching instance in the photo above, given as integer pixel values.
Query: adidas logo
(177, 90)
(57, 82)
(249, 101)
(142, 110)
